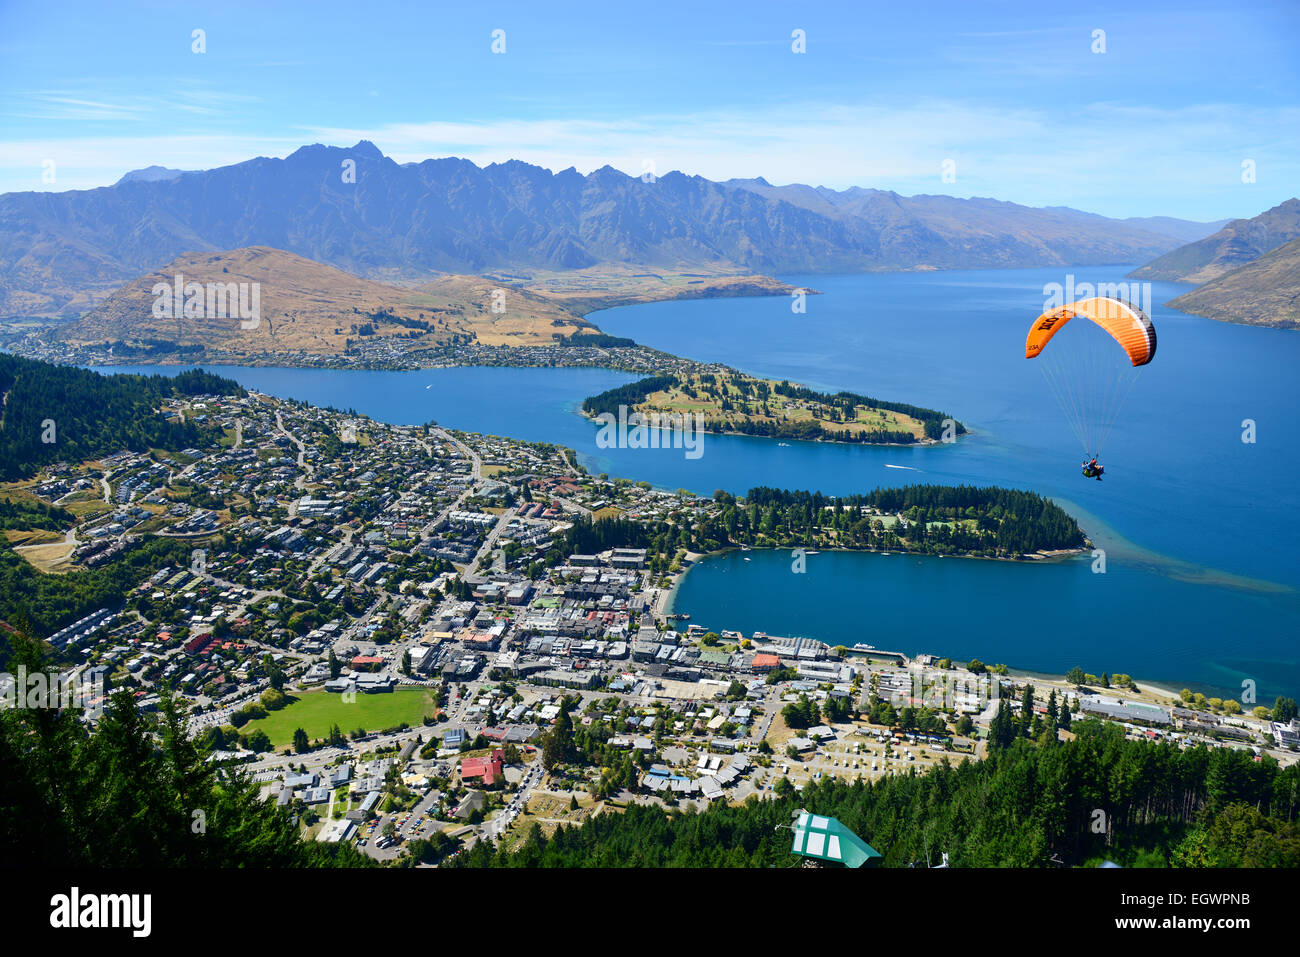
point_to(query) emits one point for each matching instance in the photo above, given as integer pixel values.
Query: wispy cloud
(1101, 150)
(82, 105)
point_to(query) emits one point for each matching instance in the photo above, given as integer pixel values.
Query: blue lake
(1199, 528)
(1044, 617)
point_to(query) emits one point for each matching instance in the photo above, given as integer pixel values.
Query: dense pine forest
(936, 520)
(134, 792)
(594, 340)
(87, 414)
(1035, 804)
(627, 395)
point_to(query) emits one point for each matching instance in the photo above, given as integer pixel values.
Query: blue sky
(1011, 93)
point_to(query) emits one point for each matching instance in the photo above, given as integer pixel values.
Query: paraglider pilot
(1092, 470)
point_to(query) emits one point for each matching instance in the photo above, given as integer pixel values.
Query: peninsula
(731, 402)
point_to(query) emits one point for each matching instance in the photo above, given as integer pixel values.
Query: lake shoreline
(598, 291)
(735, 608)
(1056, 555)
(1187, 595)
(667, 607)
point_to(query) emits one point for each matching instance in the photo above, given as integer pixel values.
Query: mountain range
(1239, 242)
(358, 210)
(1264, 292)
(1248, 271)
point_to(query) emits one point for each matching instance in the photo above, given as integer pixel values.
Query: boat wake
(904, 467)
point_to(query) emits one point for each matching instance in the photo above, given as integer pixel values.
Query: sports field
(316, 711)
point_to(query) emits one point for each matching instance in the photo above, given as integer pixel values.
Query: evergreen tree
(1020, 807)
(1002, 729)
(557, 745)
(134, 790)
(1027, 710)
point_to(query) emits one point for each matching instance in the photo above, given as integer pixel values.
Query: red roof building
(487, 770)
(199, 643)
(765, 662)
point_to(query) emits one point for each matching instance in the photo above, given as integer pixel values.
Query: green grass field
(707, 401)
(316, 711)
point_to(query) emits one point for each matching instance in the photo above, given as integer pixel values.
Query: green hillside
(88, 414)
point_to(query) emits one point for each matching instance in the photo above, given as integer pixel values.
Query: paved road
(476, 475)
(488, 546)
(305, 471)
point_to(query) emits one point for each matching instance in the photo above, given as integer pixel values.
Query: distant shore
(120, 330)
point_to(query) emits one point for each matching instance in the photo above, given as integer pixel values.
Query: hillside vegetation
(125, 794)
(1023, 806)
(1265, 292)
(88, 415)
(1240, 242)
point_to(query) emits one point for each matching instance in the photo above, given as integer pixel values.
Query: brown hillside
(308, 306)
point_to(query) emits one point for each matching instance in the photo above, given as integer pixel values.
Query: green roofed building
(826, 839)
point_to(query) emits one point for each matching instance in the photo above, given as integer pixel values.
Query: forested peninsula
(731, 402)
(927, 519)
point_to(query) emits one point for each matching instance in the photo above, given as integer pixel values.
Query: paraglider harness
(1092, 470)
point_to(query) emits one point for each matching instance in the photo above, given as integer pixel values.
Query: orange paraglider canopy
(1126, 323)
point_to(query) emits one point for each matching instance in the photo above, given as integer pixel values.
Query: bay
(1040, 617)
(1199, 528)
